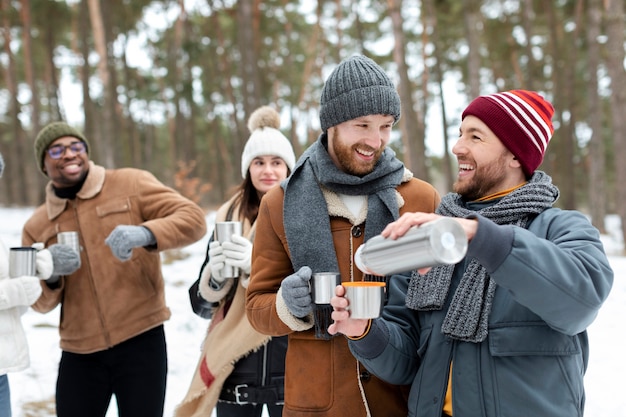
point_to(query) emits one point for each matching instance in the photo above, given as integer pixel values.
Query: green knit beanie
(49, 134)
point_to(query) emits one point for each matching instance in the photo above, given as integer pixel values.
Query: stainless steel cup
(323, 286)
(69, 239)
(22, 261)
(365, 298)
(222, 233)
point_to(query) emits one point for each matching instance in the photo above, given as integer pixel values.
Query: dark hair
(248, 199)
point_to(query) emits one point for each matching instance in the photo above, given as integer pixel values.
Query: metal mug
(323, 286)
(22, 261)
(70, 239)
(365, 298)
(222, 233)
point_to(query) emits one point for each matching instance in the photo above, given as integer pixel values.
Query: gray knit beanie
(357, 87)
(49, 134)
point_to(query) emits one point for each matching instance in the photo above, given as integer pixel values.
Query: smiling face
(70, 168)
(486, 166)
(266, 172)
(355, 146)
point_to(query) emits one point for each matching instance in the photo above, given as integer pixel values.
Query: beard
(347, 161)
(485, 181)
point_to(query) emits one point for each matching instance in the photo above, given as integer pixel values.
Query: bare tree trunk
(596, 186)
(473, 21)
(430, 11)
(562, 154)
(528, 17)
(614, 18)
(90, 116)
(412, 133)
(32, 182)
(15, 171)
(248, 23)
(107, 122)
(311, 55)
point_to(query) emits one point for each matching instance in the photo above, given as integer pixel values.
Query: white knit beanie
(266, 139)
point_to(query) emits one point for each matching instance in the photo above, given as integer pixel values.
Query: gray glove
(123, 239)
(296, 293)
(65, 260)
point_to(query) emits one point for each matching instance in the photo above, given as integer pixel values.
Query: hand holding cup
(343, 323)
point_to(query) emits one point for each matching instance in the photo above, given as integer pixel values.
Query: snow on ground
(32, 390)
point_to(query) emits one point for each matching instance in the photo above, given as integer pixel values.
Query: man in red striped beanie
(521, 119)
(503, 332)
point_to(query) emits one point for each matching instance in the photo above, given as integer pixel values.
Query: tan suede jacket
(322, 378)
(107, 301)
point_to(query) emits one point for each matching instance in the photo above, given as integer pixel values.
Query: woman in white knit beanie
(241, 370)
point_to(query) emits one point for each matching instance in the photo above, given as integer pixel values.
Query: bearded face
(486, 178)
(357, 145)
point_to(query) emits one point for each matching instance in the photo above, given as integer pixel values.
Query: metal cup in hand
(323, 286)
(222, 233)
(365, 298)
(22, 261)
(70, 239)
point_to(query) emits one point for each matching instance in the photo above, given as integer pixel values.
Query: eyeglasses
(57, 151)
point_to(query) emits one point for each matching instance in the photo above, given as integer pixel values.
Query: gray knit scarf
(305, 213)
(468, 315)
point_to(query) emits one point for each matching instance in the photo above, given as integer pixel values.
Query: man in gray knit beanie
(357, 87)
(344, 189)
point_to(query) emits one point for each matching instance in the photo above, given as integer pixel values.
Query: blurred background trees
(168, 85)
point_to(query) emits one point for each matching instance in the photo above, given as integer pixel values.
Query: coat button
(357, 231)
(365, 376)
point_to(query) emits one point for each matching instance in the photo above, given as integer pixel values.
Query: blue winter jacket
(551, 280)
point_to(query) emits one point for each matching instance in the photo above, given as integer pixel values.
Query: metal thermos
(438, 242)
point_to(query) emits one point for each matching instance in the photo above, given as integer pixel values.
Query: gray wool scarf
(305, 213)
(467, 318)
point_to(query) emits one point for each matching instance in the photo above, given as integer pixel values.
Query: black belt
(246, 394)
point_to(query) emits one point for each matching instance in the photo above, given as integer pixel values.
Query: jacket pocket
(120, 205)
(531, 363)
(113, 213)
(301, 375)
(530, 339)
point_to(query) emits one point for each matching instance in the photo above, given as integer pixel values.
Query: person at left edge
(113, 306)
(16, 295)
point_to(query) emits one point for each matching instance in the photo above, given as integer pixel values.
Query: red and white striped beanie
(521, 119)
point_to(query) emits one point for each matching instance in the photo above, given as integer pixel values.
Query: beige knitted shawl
(228, 339)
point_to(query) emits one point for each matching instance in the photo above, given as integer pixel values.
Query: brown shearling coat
(322, 378)
(107, 301)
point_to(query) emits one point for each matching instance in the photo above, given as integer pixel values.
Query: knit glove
(296, 293)
(217, 261)
(238, 253)
(65, 260)
(20, 291)
(44, 265)
(123, 239)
